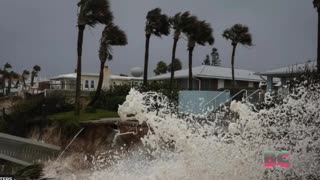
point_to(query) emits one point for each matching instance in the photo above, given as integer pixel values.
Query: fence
(24, 151)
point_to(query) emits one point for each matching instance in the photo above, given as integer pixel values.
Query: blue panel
(201, 102)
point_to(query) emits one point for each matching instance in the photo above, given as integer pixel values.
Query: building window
(251, 84)
(92, 84)
(220, 83)
(86, 85)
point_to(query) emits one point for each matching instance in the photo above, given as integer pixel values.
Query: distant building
(212, 78)
(287, 73)
(89, 81)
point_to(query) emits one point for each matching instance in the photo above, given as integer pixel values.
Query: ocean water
(220, 147)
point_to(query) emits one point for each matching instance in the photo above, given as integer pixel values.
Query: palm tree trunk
(146, 61)
(24, 82)
(32, 79)
(232, 65)
(78, 81)
(190, 84)
(98, 91)
(175, 41)
(9, 85)
(318, 50)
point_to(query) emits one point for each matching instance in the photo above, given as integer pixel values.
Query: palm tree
(238, 34)
(34, 73)
(157, 24)
(91, 13)
(180, 23)
(316, 4)
(25, 74)
(34, 171)
(8, 74)
(111, 36)
(200, 32)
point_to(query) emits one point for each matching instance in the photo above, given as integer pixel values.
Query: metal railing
(248, 98)
(225, 92)
(243, 90)
(25, 151)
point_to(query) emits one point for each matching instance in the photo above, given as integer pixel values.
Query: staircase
(21, 151)
(255, 97)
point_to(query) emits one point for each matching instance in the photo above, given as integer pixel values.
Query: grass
(84, 116)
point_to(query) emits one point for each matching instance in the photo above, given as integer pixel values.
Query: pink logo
(271, 159)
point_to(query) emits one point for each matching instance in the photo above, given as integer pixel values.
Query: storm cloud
(44, 32)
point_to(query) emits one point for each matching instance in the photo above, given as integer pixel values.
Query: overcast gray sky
(44, 32)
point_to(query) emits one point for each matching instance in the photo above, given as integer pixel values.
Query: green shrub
(113, 102)
(112, 98)
(32, 112)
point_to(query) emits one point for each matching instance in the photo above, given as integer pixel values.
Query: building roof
(74, 76)
(294, 69)
(65, 76)
(214, 72)
(115, 77)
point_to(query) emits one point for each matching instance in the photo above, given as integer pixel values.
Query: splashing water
(214, 147)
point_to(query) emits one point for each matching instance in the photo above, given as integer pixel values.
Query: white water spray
(232, 149)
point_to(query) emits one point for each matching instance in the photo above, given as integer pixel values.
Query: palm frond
(200, 33)
(36, 68)
(238, 34)
(34, 171)
(157, 23)
(7, 65)
(111, 36)
(182, 22)
(316, 3)
(25, 72)
(93, 12)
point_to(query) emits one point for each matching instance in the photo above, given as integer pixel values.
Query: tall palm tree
(8, 74)
(25, 74)
(316, 4)
(157, 24)
(111, 36)
(238, 34)
(179, 23)
(34, 73)
(200, 32)
(91, 12)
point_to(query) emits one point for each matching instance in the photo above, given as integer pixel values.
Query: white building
(211, 78)
(89, 81)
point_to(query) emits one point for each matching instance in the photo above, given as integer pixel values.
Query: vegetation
(215, 58)
(91, 13)
(111, 36)
(238, 34)
(206, 61)
(157, 24)
(214, 61)
(34, 73)
(316, 4)
(25, 75)
(84, 116)
(177, 65)
(180, 23)
(112, 98)
(7, 75)
(34, 171)
(31, 112)
(200, 33)
(161, 68)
